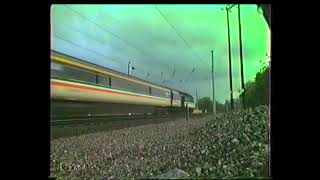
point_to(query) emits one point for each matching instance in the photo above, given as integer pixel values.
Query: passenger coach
(79, 87)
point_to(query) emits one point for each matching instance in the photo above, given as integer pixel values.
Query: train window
(103, 80)
(160, 93)
(189, 98)
(56, 66)
(70, 73)
(140, 88)
(176, 96)
(118, 83)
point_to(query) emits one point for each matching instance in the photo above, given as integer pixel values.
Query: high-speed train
(81, 88)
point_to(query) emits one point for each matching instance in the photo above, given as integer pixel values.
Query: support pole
(230, 71)
(241, 59)
(187, 112)
(196, 99)
(129, 68)
(213, 97)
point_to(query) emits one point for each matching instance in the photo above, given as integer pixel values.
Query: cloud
(141, 35)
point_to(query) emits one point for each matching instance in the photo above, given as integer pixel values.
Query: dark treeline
(257, 92)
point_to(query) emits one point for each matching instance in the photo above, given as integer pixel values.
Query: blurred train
(80, 88)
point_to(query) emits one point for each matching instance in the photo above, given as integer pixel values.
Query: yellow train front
(79, 88)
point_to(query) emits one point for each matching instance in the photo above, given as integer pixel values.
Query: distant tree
(237, 103)
(205, 103)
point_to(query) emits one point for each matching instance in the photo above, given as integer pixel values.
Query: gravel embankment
(234, 144)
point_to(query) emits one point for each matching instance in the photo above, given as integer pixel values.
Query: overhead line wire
(177, 32)
(106, 30)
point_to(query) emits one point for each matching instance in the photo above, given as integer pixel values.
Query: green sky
(112, 35)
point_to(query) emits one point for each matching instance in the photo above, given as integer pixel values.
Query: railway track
(79, 126)
(101, 119)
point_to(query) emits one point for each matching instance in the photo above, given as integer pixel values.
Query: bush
(206, 103)
(257, 92)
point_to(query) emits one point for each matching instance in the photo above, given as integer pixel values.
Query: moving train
(80, 88)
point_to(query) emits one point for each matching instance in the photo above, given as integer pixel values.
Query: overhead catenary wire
(187, 79)
(174, 71)
(104, 29)
(88, 36)
(115, 35)
(187, 44)
(165, 81)
(95, 52)
(92, 51)
(131, 45)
